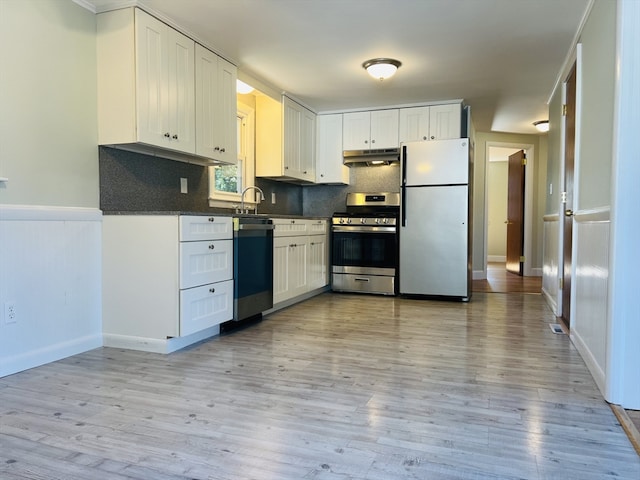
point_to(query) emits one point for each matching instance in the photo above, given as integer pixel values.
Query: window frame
(246, 154)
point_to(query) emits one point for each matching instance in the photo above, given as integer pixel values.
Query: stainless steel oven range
(364, 244)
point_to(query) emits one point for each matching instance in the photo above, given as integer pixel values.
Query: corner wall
(50, 225)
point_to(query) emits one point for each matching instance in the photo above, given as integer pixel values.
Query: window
(226, 182)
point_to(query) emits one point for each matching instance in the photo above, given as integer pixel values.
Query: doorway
(496, 204)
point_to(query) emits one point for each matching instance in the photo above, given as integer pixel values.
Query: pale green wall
(479, 178)
(48, 119)
(598, 76)
(497, 208)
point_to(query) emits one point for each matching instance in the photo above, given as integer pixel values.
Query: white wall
(50, 247)
(48, 113)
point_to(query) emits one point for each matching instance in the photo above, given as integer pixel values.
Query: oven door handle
(364, 229)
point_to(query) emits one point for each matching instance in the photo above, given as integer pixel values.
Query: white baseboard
(551, 301)
(156, 345)
(479, 275)
(298, 299)
(48, 354)
(596, 372)
(536, 272)
(496, 258)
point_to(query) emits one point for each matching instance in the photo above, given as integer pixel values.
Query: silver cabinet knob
(167, 135)
(211, 247)
(212, 290)
(175, 137)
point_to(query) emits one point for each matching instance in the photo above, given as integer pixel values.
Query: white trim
(551, 302)
(49, 213)
(496, 258)
(536, 272)
(594, 369)
(479, 275)
(156, 345)
(48, 354)
(528, 202)
(601, 214)
(392, 107)
(623, 314)
(571, 54)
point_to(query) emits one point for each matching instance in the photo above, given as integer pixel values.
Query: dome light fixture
(243, 88)
(381, 68)
(542, 125)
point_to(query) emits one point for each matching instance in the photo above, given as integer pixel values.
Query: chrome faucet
(255, 210)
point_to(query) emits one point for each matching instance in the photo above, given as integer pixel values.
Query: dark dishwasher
(252, 266)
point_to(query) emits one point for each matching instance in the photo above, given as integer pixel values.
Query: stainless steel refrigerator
(435, 227)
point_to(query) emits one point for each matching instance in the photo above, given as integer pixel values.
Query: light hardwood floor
(500, 281)
(339, 387)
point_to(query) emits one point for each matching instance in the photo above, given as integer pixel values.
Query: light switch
(273, 198)
(183, 185)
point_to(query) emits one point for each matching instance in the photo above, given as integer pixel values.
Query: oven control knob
(385, 220)
(341, 221)
(377, 220)
(363, 220)
(349, 221)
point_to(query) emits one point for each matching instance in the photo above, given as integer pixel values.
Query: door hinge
(564, 109)
(522, 259)
(563, 197)
(561, 283)
(524, 161)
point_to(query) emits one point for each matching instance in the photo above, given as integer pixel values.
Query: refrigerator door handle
(404, 165)
(403, 206)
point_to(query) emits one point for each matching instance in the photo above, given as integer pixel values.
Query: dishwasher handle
(255, 226)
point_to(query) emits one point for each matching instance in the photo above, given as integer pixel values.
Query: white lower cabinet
(300, 264)
(166, 279)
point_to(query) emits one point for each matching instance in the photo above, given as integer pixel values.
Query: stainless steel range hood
(381, 156)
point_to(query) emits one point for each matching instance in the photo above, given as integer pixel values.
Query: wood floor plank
(339, 387)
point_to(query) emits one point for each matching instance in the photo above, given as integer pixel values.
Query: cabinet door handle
(212, 219)
(361, 279)
(366, 141)
(373, 141)
(212, 246)
(424, 138)
(433, 137)
(212, 290)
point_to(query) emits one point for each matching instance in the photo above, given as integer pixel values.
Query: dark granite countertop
(210, 214)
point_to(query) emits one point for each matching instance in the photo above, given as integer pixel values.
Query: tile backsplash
(136, 182)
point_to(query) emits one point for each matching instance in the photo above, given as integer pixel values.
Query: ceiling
(502, 57)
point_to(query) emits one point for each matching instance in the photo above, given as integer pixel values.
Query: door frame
(529, 187)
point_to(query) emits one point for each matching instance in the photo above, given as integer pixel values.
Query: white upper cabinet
(285, 140)
(370, 130)
(329, 163)
(445, 121)
(436, 122)
(215, 107)
(148, 79)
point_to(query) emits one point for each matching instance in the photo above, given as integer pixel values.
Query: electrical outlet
(10, 314)
(184, 188)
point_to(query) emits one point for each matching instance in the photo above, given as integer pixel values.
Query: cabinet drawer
(317, 227)
(205, 306)
(287, 227)
(204, 227)
(205, 262)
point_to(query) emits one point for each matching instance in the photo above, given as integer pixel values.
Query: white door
(444, 121)
(414, 124)
(356, 131)
(181, 88)
(384, 128)
(151, 86)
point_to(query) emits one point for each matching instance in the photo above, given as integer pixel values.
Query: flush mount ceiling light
(243, 88)
(381, 68)
(542, 125)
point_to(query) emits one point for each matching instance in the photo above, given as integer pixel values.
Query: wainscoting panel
(550, 256)
(51, 277)
(591, 276)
